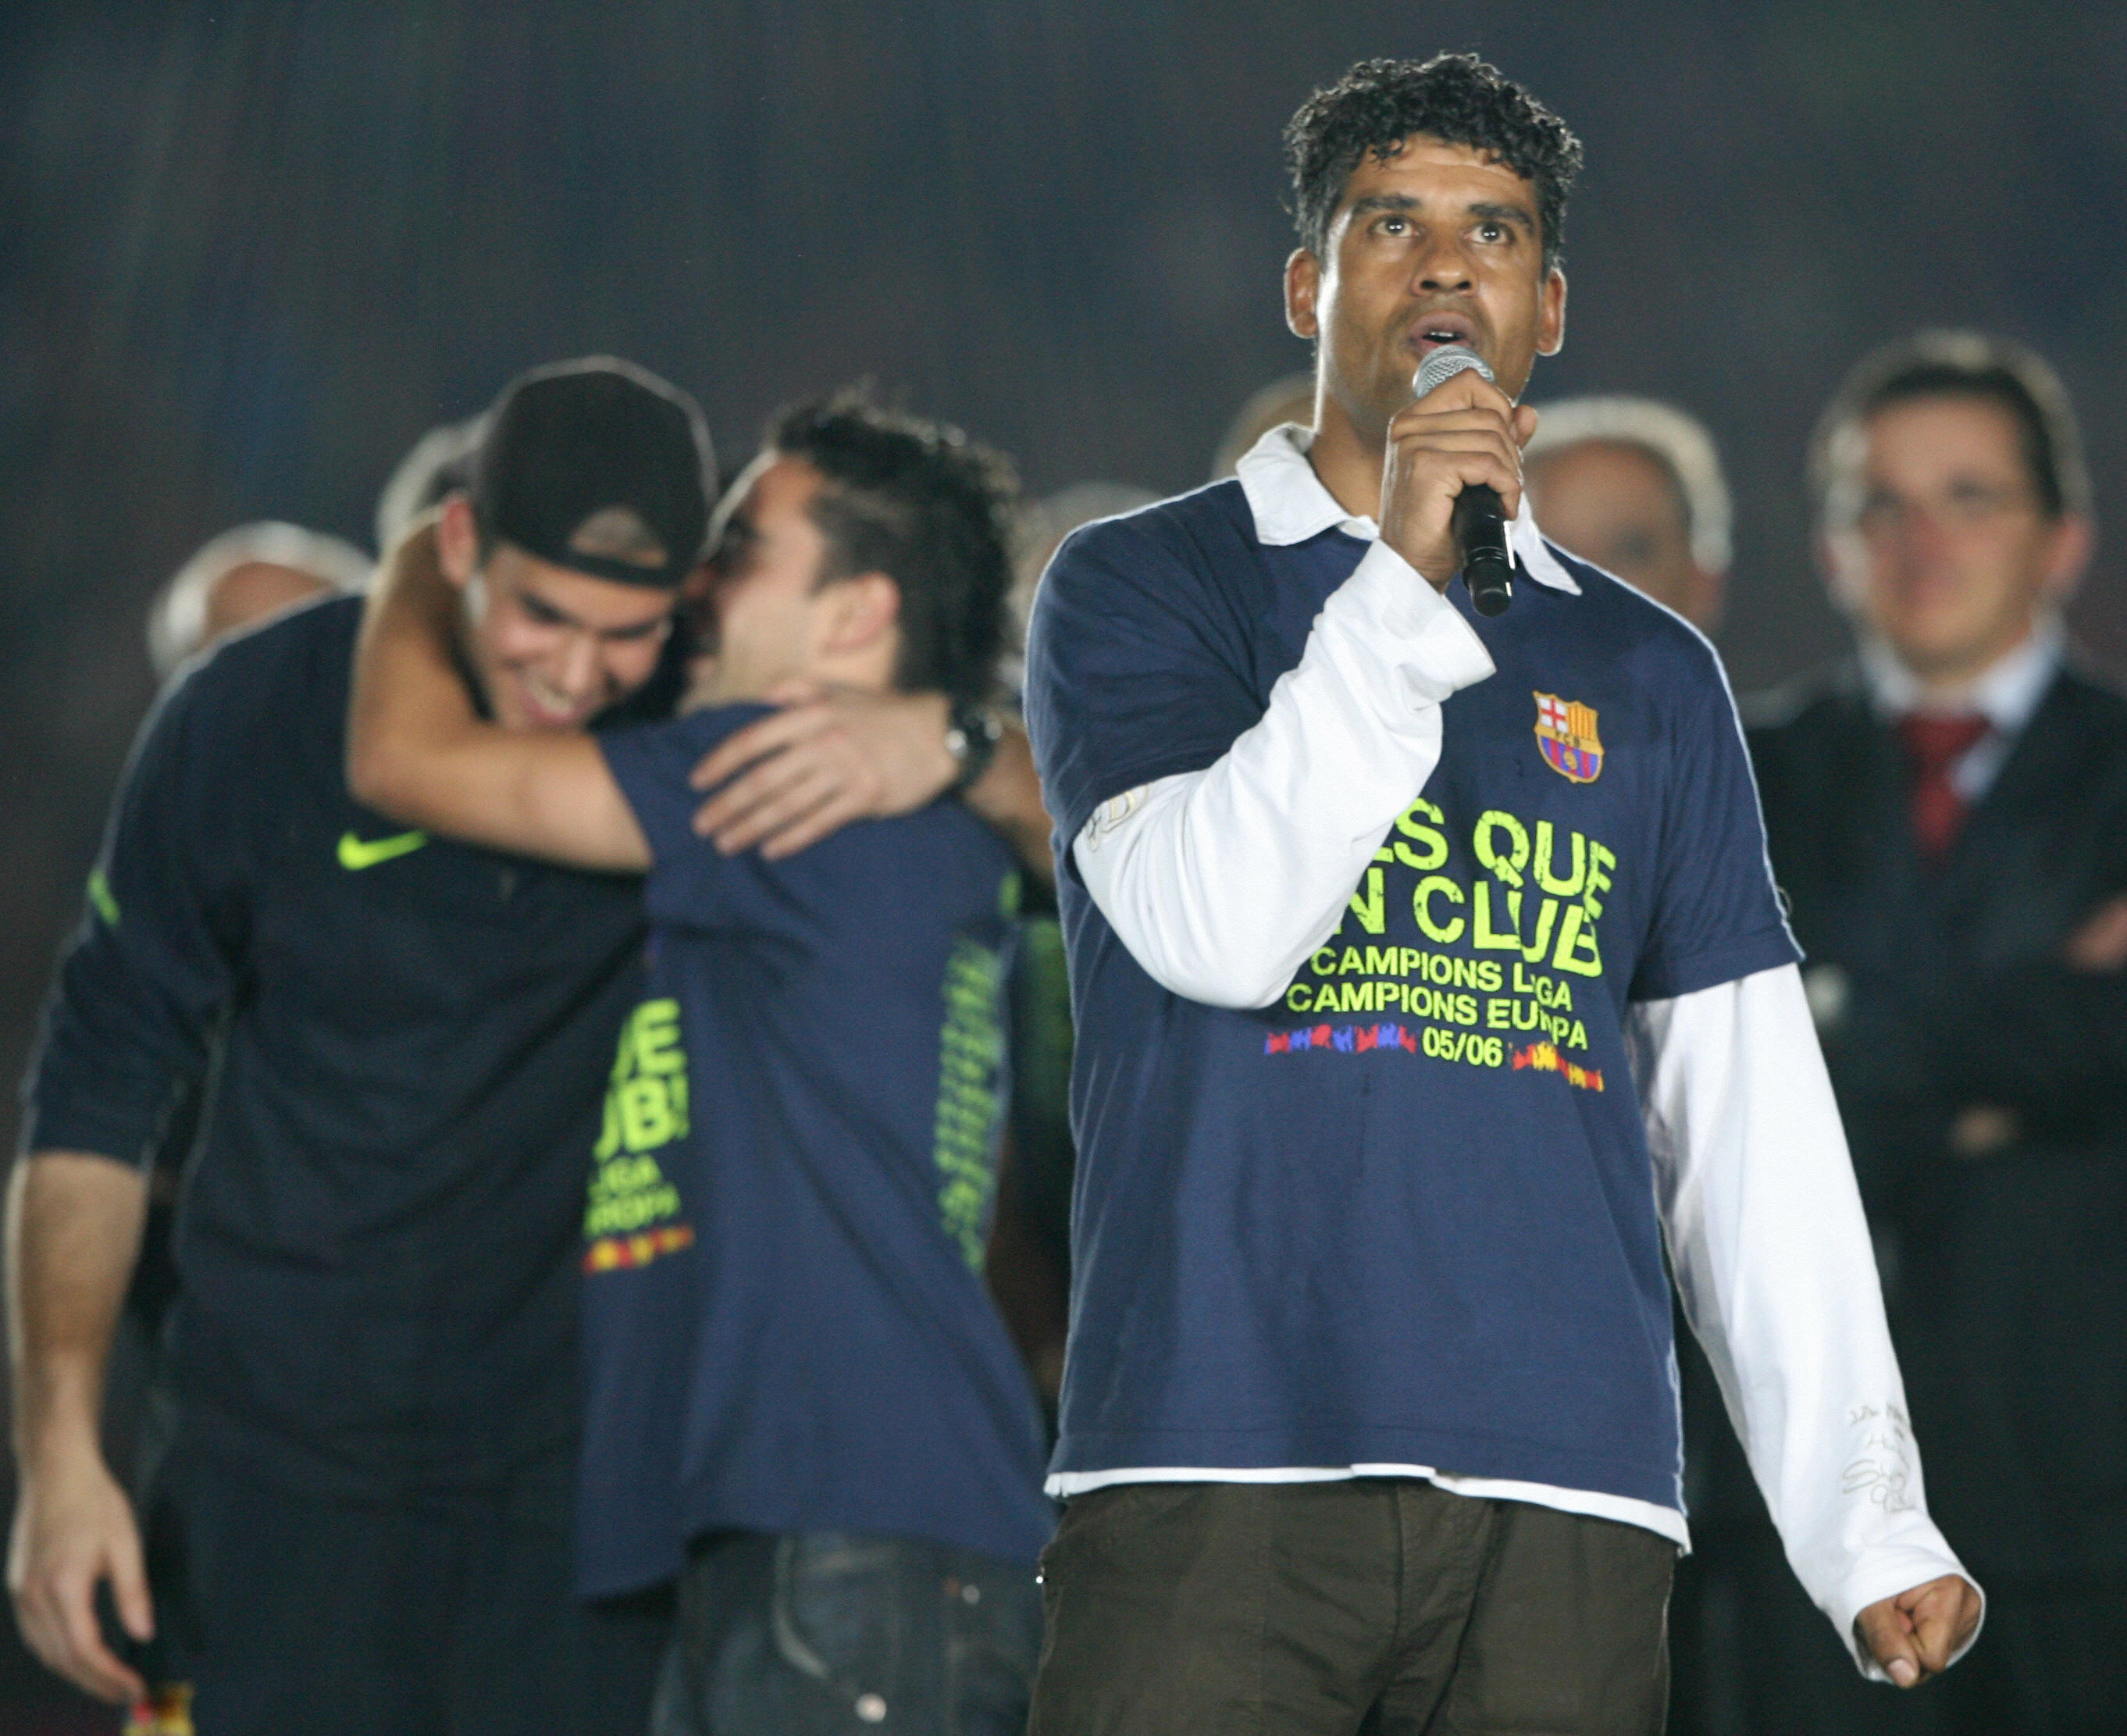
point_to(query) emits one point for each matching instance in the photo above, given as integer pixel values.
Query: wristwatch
(971, 734)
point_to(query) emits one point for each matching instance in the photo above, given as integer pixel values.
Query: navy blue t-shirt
(393, 1045)
(1405, 1215)
(786, 1325)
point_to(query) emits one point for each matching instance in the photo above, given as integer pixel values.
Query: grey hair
(1679, 443)
(440, 462)
(1290, 399)
(176, 619)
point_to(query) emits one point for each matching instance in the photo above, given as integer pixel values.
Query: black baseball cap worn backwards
(597, 465)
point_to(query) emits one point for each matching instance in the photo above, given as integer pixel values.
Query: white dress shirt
(2006, 695)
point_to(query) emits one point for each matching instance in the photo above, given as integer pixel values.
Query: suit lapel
(2016, 857)
(2037, 773)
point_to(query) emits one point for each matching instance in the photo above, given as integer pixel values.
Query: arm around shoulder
(828, 756)
(418, 750)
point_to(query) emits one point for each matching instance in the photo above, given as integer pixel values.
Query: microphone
(1480, 520)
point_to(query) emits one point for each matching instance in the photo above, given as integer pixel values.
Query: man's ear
(2074, 541)
(1550, 315)
(1709, 598)
(1303, 291)
(862, 610)
(458, 540)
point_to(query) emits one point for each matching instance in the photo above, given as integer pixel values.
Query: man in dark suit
(1947, 811)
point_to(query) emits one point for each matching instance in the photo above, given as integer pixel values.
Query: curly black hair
(922, 503)
(1457, 98)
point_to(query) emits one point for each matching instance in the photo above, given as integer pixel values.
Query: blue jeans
(816, 1632)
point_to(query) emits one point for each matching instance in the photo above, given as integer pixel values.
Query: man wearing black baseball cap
(586, 510)
(364, 1523)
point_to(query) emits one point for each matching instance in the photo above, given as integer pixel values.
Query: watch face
(971, 734)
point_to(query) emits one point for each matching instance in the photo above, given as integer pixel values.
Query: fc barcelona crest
(1565, 732)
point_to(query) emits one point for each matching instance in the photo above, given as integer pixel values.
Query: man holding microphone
(1378, 915)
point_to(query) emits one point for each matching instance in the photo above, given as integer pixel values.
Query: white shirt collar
(2006, 695)
(1291, 504)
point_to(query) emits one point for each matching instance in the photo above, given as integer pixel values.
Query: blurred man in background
(1947, 811)
(370, 1486)
(242, 576)
(1636, 487)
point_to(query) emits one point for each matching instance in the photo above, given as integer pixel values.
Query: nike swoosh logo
(357, 854)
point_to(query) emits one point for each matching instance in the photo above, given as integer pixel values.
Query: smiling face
(1439, 244)
(551, 648)
(1938, 540)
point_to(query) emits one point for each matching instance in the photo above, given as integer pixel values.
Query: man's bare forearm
(73, 1235)
(1007, 798)
(409, 706)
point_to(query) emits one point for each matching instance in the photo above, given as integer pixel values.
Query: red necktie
(1934, 745)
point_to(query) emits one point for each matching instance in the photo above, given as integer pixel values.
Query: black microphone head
(1443, 364)
(1491, 581)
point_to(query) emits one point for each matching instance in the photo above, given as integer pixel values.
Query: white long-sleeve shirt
(1221, 883)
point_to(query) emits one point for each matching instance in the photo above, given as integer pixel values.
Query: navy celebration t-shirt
(786, 1324)
(1405, 1215)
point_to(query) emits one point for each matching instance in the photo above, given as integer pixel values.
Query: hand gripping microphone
(1480, 521)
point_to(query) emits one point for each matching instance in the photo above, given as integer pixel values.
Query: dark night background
(248, 252)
